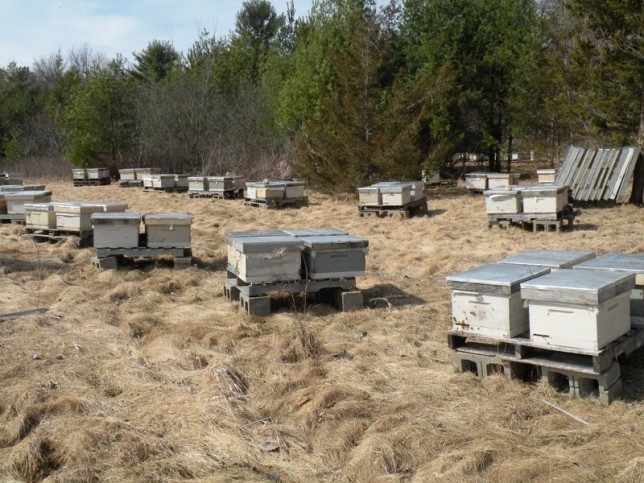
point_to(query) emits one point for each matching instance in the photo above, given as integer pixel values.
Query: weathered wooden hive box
(552, 259)
(398, 194)
(487, 299)
(502, 201)
(582, 309)
(544, 198)
(140, 173)
(181, 181)
(476, 181)
(114, 229)
(624, 263)
(168, 230)
(501, 180)
(98, 173)
(293, 189)
(198, 183)
(162, 181)
(264, 259)
(225, 183)
(369, 196)
(75, 217)
(110, 205)
(16, 200)
(330, 256)
(547, 175)
(79, 173)
(40, 216)
(260, 190)
(11, 188)
(32, 187)
(128, 174)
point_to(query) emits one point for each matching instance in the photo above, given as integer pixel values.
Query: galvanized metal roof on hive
(598, 174)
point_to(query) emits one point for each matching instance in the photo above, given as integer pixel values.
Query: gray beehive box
(487, 299)
(79, 173)
(553, 259)
(501, 180)
(75, 217)
(40, 216)
(547, 175)
(198, 183)
(293, 189)
(369, 196)
(181, 181)
(127, 174)
(162, 181)
(168, 230)
(97, 173)
(417, 190)
(10, 188)
(258, 190)
(502, 201)
(625, 263)
(398, 194)
(333, 256)
(579, 309)
(16, 200)
(544, 198)
(114, 229)
(225, 183)
(264, 259)
(476, 181)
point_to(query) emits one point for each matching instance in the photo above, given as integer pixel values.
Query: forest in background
(346, 94)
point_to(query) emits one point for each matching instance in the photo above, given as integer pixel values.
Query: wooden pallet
(13, 218)
(255, 298)
(277, 203)
(415, 208)
(130, 183)
(83, 238)
(223, 195)
(538, 221)
(92, 182)
(173, 189)
(112, 258)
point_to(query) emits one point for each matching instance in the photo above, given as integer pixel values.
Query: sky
(34, 29)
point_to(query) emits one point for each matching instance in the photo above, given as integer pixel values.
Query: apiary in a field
(487, 300)
(476, 181)
(547, 175)
(624, 263)
(502, 180)
(581, 309)
(167, 230)
(40, 216)
(553, 259)
(75, 217)
(264, 259)
(16, 200)
(502, 201)
(116, 229)
(544, 198)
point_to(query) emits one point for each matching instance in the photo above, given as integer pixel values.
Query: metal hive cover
(12, 187)
(27, 195)
(302, 232)
(265, 244)
(230, 235)
(549, 258)
(541, 190)
(501, 191)
(624, 262)
(167, 219)
(585, 287)
(39, 207)
(330, 242)
(495, 278)
(115, 215)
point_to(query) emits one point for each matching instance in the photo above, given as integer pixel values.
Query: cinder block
(181, 263)
(259, 306)
(347, 301)
(106, 263)
(231, 290)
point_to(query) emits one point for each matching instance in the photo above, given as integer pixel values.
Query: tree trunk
(510, 152)
(638, 178)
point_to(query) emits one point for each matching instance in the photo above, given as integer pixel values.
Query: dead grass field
(152, 375)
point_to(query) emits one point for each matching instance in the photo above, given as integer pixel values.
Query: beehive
(140, 173)
(487, 300)
(16, 200)
(502, 201)
(79, 173)
(553, 259)
(501, 180)
(98, 173)
(624, 263)
(40, 216)
(546, 176)
(264, 259)
(31, 187)
(127, 174)
(417, 190)
(544, 198)
(116, 229)
(181, 181)
(579, 309)
(293, 189)
(75, 217)
(331, 256)
(476, 181)
(162, 181)
(168, 230)
(198, 183)
(398, 194)
(225, 183)
(11, 188)
(259, 190)
(147, 180)
(111, 205)
(369, 196)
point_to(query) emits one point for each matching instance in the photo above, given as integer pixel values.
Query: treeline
(349, 93)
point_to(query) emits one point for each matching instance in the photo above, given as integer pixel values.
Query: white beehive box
(265, 191)
(75, 217)
(264, 259)
(547, 176)
(181, 181)
(487, 300)
(79, 173)
(198, 183)
(40, 216)
(552, 259)
(147, 180)
(162, 181)
(127, 174)
(502, 180)
(167, 230)
(624, 263)
(16, 200)
(398, 194)
(116, 229)
(544, 198)
(11, 188)
(579, 309)
(98, 173)
(110, 205)
(332, 256)
(140, 173)
(502, 201)
(369, 196)
(222, 183)
(476, 181)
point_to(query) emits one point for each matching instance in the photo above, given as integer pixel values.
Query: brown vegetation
(148, 374)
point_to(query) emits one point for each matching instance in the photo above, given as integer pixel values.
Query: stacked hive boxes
(390, 194)
(531, 200)
(90, 173)
(121, 230)
(481, 181)
(274, 190)
(168, 230)
(225, 184)
(166, 181)
(71, 217)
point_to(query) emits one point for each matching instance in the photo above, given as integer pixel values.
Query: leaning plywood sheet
(633, 154)
(581, 173)
(569, 166)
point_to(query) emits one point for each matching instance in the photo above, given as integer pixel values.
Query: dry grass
(148, 374)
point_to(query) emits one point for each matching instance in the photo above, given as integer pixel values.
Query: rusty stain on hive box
(116, 229)
(168, 230)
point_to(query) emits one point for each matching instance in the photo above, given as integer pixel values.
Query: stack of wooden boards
(479, 181)
(275, 194)
(117, 237)
(91, 176)
(562, 316)
(132, 177)
(388, 198)
(323, 261)
(541, 206)
(221, 187)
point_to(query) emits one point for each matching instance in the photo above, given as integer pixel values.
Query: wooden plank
(590, 182)
(612, 186)
(602, 189)
(582, 171)
(568, 165)
(628, 173)
(567, 178)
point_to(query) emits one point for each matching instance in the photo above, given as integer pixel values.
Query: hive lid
(111, 206)
(385, 183)
(265, 244)
(369, 189)
(39, 207)
(496, 278)
(230, 235)
(395, 188)
(543, 190)
(331, 242)
(78, 208)
(305, 232)
(549, 258)
(27, 195)
(502, 191)
(476, 174)
(112, 216)
(578, 287)
(165, 175)
(618, 262)
(12, 187)
(167, 219)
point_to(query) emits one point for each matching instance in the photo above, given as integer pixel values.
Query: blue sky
(32, 29)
